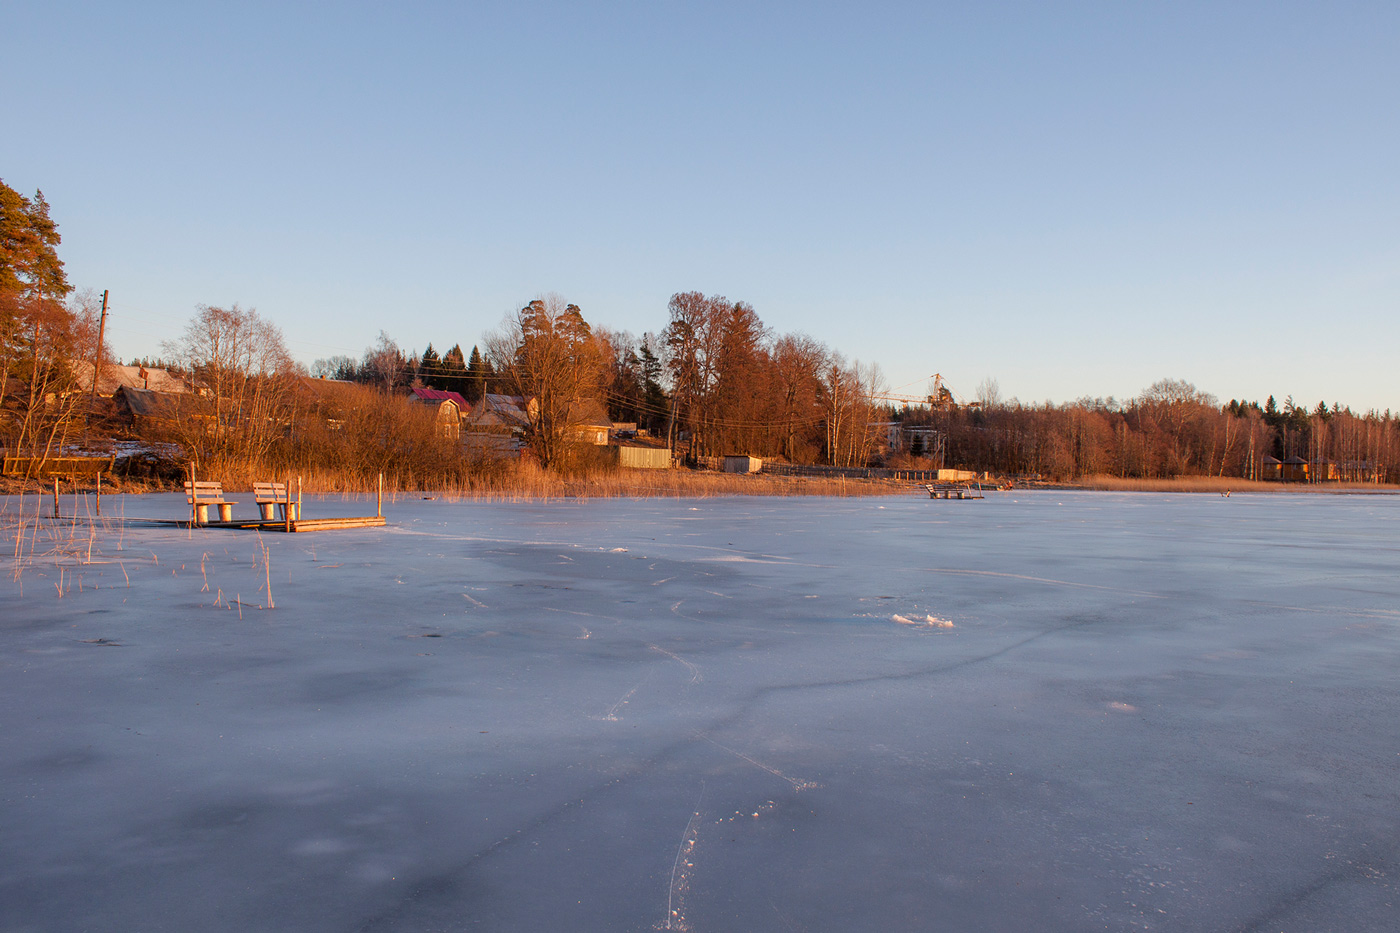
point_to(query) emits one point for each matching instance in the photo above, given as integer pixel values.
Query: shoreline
(705, 484)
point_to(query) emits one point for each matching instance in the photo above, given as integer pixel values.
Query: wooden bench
(203, 495)
(270, 495)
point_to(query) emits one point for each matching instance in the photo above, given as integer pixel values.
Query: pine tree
(29, 263)
(478, 372)
(454, 370)
(430, 368)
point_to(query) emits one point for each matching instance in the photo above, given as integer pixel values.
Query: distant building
(588, 421)
(1323, 470)
(512, 415)
(742, 464)
(113, 377)
(147, 409)
(643, 458)
(1294, 470)
(452, 408)
(499, 414)
(496, 426)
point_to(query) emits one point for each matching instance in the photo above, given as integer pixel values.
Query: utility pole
(97, 362)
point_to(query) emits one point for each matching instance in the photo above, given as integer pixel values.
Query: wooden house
(589, 422)
(147, 409)
(113, 377)
(496, 426)
(1323, 470)
(1294, 470)
(452, 408)
(499, 414)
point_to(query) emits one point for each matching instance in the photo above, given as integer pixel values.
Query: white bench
(273, 495)
(203, 495)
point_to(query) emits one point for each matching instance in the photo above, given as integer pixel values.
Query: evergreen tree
(430, 368)
(478, 373)
(654, 400)
(29, 263)
(454, 370)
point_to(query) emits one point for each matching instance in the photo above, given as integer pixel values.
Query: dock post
(299, 515)
(287, 512)
(194, 499)
(379, 499)
(99, 493)
(55, 497)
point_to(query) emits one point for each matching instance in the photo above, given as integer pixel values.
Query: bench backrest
(203, 492)
(270, 492)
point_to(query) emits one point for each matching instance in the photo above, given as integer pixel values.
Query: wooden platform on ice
(952, 491)
(301, 524)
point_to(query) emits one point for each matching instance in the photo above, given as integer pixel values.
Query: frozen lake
(1039, 711)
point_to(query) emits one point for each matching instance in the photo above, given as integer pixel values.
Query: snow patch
(931, 621)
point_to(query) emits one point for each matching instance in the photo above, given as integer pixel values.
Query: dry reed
(524, 479)
(1217, 484)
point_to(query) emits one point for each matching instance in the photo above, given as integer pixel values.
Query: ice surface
(1156, 712)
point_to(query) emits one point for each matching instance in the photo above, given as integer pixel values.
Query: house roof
(148, 403)
(504, 410)
(425, 394)
(114, 377)
(590, 413)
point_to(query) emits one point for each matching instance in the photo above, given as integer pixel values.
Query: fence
(56, 466)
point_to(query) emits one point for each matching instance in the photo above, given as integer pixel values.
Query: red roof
(424, 394)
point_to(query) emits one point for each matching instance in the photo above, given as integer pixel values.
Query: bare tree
(988, 393)
(385, 364)
(40, 337)
(798, 363)
(850, 408)
(244, 372)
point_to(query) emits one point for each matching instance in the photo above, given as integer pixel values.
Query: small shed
(1295, 470)
(742, 464)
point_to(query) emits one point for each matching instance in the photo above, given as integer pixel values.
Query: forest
(711, 380)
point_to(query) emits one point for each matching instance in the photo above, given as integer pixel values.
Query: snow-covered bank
(1174, 712)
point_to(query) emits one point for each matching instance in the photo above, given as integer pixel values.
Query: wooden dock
(296, 525)
(269, 496)
(952, 491)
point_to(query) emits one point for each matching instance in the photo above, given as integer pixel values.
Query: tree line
(1171, 430)
(712, 380)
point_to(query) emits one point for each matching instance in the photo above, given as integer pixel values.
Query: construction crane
(941, 396)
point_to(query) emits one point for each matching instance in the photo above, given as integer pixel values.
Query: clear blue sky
(1075, 199)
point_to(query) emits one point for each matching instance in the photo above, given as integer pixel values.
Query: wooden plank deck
(257, 524)
(952, 491)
